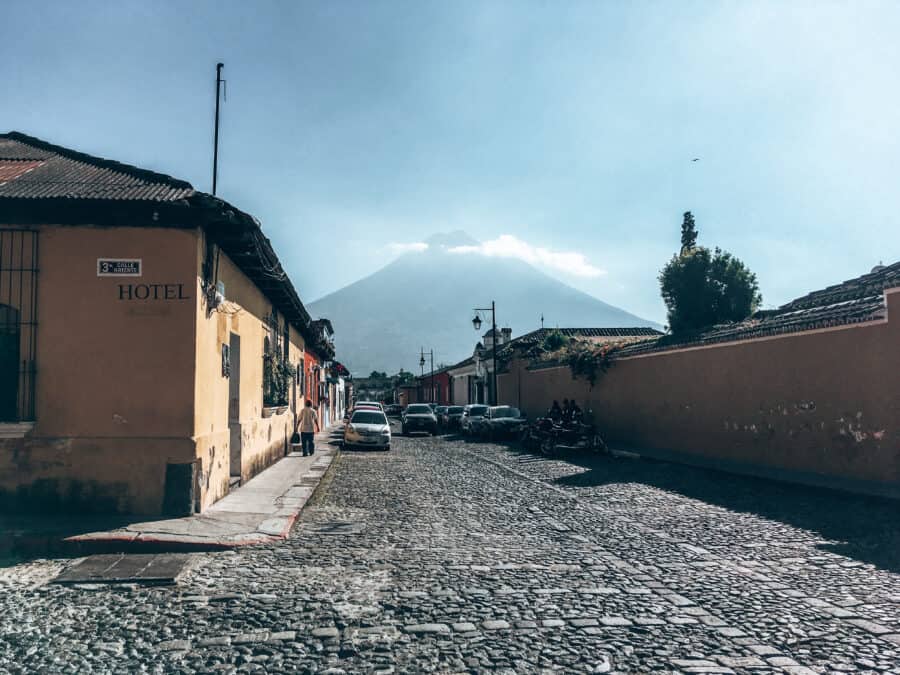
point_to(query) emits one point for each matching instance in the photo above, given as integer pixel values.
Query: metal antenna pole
(219, 67)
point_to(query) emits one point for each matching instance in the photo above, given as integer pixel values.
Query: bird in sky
(696, 159)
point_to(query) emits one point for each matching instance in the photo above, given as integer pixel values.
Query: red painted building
(433, 388)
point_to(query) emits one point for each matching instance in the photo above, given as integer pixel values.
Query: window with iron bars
(18, 324)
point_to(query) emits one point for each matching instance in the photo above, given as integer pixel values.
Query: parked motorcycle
(534, 434)
(552, 438)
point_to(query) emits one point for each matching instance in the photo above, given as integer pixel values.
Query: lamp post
(422, 366)
(476, 323)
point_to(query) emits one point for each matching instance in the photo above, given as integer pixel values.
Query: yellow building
(149, 338)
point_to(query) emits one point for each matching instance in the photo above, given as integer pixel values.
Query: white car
(368, 429)
(367, 404)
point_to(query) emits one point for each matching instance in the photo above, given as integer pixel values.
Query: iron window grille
(18, 324)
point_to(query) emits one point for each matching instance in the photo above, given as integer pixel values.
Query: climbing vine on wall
(278, 375)
(278, 372)
(588, 361)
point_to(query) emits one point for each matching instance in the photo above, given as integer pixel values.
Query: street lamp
(476, 323)
(422, 366)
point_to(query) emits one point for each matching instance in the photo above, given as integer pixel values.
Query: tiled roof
(854, 301)
(537, 336)
(540, 334)
(465, 362)
(34, 169)
(869, 285)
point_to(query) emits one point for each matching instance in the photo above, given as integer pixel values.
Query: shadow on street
(861, 527)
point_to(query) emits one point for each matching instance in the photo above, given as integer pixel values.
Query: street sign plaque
(118, 267)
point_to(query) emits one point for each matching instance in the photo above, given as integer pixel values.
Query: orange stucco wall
(126, 385)
(262, 440)
(821, 406)
(114, 392)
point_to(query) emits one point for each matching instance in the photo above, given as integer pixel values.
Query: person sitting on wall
(575, 414)
(555, 412)
(309, 425)
(566, 412)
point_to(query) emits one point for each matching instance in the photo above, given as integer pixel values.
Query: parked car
(472, 419)
(503, 421)
(369, 403)
(419, 417)
(439, 414)
(368, 428)
(394, 410)
(452, 417)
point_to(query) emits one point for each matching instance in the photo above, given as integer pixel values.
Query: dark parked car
(452, 417)
(394, 410)
(503, 421)
(439, 414)
(419, 417)
(473, 418)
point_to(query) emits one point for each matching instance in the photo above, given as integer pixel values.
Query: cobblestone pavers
(446, 556)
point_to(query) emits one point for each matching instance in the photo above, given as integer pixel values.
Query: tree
(688, 233)
(405, 376)
(554, 340)
(702, 288)
(376, 375)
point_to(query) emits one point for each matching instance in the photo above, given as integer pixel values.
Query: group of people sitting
(570, 413)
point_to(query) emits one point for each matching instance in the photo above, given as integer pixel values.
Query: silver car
(473, 418)
(369, 429)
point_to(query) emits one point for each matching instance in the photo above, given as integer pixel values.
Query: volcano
(426, 299)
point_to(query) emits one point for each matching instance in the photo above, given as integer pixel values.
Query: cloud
(508, 246)
(410, 247)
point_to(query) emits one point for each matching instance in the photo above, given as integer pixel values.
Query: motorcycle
(533, 436)
(553, 438)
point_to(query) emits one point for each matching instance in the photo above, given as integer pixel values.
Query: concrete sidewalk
(259, 512)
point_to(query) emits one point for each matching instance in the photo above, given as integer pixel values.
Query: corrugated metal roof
(38, 178)
(54, 172)
(10, 169)
(12, 148)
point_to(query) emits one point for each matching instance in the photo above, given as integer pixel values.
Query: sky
(562, 133)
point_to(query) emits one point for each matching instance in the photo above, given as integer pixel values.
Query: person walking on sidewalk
(309, 425)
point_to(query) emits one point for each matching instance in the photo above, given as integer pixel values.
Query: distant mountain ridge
(425, 299)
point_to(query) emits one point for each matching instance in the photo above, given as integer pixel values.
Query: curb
(139, 543)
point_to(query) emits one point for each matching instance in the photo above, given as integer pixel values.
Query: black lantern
(476, 322)
(422, 362)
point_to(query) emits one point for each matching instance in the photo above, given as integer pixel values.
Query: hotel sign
(118, 267)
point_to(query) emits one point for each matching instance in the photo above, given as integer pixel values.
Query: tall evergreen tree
(688, 233)
(702, 288)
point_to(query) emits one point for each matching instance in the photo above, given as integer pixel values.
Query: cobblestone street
(450, 556)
